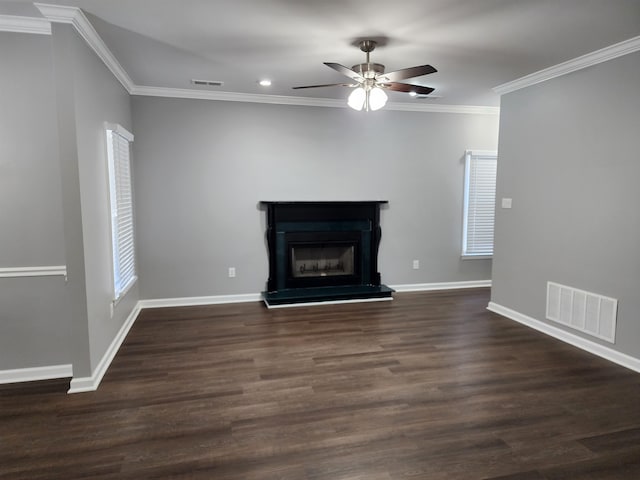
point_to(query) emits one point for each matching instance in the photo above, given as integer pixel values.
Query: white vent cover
(584, 311)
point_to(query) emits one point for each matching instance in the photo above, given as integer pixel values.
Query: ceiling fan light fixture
(357, 99)
(368, 98)
(377, 98)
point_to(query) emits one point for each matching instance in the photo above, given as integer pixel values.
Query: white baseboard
(425, 287)
(257, 297)
(89, 384)
(194, 301)
(35, 374)
(603, 351)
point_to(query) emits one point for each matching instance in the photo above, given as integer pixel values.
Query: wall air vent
(207, 83)
(586, 312)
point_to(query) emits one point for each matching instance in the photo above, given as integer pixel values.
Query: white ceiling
(475, 44)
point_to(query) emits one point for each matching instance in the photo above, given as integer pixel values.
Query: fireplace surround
(323, 251)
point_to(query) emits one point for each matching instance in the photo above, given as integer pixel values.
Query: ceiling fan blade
(327, 85)
(405, 87)
(345, 71)
(406, 73)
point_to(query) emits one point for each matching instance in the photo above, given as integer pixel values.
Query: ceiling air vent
(207, 83)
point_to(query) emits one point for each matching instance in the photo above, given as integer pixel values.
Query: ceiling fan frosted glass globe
(357, 98)
(377, 98)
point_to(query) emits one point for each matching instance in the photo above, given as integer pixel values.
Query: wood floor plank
(429, 386)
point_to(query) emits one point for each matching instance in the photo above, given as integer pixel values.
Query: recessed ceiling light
(265, 82)
(412, 93)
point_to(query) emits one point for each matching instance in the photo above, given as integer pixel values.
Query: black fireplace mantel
(353, 226)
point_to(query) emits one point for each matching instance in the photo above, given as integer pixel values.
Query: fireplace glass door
(322, 260)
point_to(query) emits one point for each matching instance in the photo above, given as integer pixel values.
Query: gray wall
(88, 97)
(201, 167)
(99, 98)
(34, 320)
(55, 97)
(568, 157)
(31, 214)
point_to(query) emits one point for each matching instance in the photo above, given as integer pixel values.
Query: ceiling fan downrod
(368, 70)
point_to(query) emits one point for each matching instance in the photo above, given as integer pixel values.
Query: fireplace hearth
(323, 251)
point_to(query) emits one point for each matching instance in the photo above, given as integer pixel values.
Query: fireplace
(323, 251)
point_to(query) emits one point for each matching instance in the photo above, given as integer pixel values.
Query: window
(479, 203)
(121, 200)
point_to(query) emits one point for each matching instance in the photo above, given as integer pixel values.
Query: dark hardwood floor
(429, 386)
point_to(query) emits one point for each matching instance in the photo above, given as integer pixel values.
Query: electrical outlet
(232, 272)
(416, 264)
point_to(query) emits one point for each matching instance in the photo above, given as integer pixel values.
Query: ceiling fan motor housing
(368, 70)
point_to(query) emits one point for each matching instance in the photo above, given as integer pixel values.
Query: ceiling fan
(371, 81)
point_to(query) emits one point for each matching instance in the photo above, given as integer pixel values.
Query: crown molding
(19, 24)
(439, 108)
(74, 16)
(234, 96)
(300, 101)
(608, 53)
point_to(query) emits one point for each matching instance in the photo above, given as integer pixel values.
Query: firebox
(324, 258)
(323, 251)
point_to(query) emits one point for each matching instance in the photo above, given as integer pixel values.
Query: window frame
(117, 176)
(468, 253)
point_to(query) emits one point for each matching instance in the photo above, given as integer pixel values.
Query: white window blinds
(479, 203)
(121, 198)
